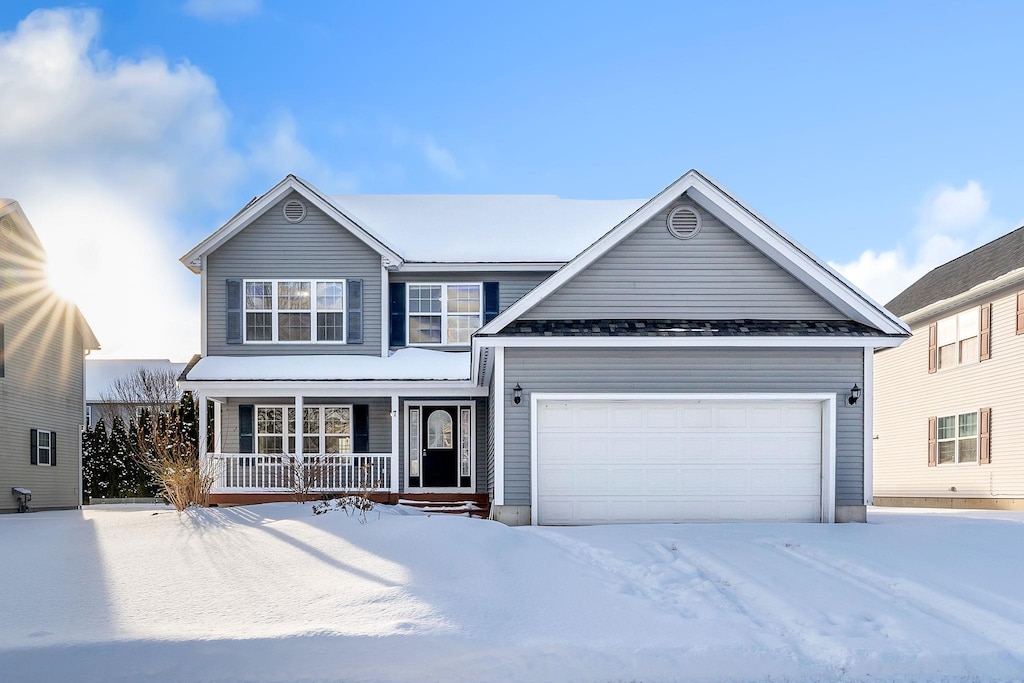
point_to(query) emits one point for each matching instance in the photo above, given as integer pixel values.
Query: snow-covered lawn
(274, 593)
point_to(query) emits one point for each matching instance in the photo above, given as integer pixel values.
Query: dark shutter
(491, 305)
(53, 449)
(354, 309)
(933, 349)
(397, 297)
(361, 428)
(931, 442)
(234, 311)
(1, 349)
(985, 333)
(33, 440)
(245, 429)
(985, 436)
(1020, 313)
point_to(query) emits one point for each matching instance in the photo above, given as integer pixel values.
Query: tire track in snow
(977, 622)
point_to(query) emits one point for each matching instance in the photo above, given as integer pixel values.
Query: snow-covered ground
(274, 593)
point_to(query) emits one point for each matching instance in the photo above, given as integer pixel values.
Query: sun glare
(65, 282)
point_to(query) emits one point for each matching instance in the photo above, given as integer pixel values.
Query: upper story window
(444, 313)
(295, 311)
(957, 339)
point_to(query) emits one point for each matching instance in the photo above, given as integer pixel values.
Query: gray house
(949, 417)
(560, 361)
(43, 342)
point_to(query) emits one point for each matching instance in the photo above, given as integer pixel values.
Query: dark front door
(440, 446)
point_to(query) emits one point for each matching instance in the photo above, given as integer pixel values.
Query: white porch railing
(255, 472)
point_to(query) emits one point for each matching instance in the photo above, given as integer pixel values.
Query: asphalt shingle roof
(688, 328)
(985, 263)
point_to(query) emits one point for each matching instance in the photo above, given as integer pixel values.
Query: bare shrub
(357, 503)
(169, 449)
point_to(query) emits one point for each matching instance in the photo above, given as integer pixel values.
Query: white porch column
(395, 417)
(218, 441)
(298, 428)
(200, 401)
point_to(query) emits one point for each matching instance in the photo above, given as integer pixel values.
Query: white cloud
(435, 155)
(222, 10)
(101, 152)
(278, 151)
(951, 221)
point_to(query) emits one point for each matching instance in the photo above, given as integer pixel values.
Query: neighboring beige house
(43, 342)
(949, 413)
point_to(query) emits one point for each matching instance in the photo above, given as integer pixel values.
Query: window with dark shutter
(234, 311)
(933, 335)
(361, 428)
(397, 313)
(245, 429)
(932, 445)
(1020, 313)
(355, 311)
(985, 436)
(1, 349)
(491, 301)
(33, 440)
(985, 333)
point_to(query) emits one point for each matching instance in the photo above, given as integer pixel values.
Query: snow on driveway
(272, 593)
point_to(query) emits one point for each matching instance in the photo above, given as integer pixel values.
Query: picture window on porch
(444, 313)
(325, 429)
(284, 311)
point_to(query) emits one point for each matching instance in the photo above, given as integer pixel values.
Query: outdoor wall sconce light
(854, 395)
(517, 394)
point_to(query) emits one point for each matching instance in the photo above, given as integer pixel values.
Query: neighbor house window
(444, 313)
(325, 429)
(957, 338)
(44, 443)
(957, 437)
(295, 311)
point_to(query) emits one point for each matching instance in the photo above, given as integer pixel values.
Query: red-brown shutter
(931, 442)
(985, 436)
(933, 348)
(985, 334)
(1020, 313)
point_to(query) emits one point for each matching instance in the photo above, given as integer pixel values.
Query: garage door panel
(607, 461)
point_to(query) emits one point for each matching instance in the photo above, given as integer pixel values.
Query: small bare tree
(154, 390)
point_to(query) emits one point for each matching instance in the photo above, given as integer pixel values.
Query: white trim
(790, 255)
(648, 342)
(290, 183)
(218, 426)
(385, 310)
(956, 439)
(479, 266)
(828, 431)
(499, 426)
(300, 426)
(203, 419)
(330, 388)
(204, 310)
(1014, 277)
(49, 447)
(868, 398)
(274, 311)
(413, 403)
(395, 442)
(443, 314)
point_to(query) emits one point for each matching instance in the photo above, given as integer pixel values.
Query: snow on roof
(100, 373)
(404, 364)
(486, 227)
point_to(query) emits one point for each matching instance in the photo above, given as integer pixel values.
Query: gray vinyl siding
(272, 248)
(906, 395)
(686, 370)
(380, 418)
(43, 387)
(716, 275)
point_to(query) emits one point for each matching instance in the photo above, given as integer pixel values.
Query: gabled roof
(688, 328)
(256, 207)
(774, 243)
(986, 263)
(11, 210)
(486, 228)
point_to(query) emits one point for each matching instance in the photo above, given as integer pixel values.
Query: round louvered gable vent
(684, 222)
(294, 211)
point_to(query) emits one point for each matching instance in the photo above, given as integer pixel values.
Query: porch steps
(472, 505)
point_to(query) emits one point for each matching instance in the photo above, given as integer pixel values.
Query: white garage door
(678, 460)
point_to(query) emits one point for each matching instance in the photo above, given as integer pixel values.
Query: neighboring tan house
(43, 343)
(116, 386)
(564, 361)
(949, 415)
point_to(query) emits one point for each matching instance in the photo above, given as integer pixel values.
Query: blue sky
(885, 137)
